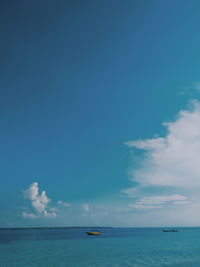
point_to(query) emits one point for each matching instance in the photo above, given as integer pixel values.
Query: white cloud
(132, 192)
(154, 202)
(172, 160)
(65, 204)
(141, 206)
(170, 165)
(39, 203)
(32, 192)
(29, 215)
(85, 207)
(53, 209)
(49, 214)
(182, 202)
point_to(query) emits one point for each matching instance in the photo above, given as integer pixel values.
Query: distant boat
(170, 230)
(94, 232)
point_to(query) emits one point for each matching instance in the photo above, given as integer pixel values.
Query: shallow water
(71, 247)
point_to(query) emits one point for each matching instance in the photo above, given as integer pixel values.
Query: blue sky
(79, 79)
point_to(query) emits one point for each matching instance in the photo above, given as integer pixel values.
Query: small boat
(170, 230)
(95, 232)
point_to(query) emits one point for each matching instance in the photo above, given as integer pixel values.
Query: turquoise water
(71, 247)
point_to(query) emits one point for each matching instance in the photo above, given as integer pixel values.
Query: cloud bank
(156, 202)
(170, 163)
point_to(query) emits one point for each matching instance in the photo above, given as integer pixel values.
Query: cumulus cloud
(170, 163)
(172, 160)
(39, 203)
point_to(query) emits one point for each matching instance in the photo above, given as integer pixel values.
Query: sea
(72, 247)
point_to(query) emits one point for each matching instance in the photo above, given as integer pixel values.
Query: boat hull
(93, 233)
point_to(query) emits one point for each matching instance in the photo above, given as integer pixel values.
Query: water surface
(71, 247)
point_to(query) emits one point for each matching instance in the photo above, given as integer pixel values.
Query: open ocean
(71, 247)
